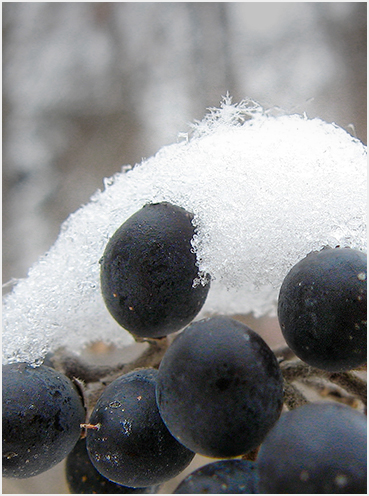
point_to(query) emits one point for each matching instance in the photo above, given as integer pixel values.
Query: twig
(351, 383)
(92, 379)
(74, 367)
(293, 397)
(327, 390)
(293, 370)
(296, 370)
(150, 358)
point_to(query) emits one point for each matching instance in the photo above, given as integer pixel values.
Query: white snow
(264, 190)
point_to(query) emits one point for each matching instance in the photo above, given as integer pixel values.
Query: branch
(92, 379)
(351, 383)
(293, 397)
(74, 367)
(327, 390)
(298, 370)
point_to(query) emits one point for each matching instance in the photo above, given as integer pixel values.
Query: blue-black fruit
(131, 444)
(83, 478)
(318, 448)
(42, 412)
(219, 388)
(322, 309)
(148, 270)
(223, 477)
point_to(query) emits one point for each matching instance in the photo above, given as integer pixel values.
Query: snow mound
(264, 191)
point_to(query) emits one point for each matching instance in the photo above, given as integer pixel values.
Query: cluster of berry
(218, 390)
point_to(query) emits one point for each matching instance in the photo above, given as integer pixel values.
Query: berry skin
(322, 309)
(219, 388)
(83, 478)
(319, 448)
(132, 446)
(148, 269)
(42, 413)
(223, 477)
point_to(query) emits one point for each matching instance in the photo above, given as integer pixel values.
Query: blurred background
(89, 87)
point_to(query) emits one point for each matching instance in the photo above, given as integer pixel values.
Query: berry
(223, 477)
(83, 478)
(316, 448)
(131, 445)
(42, 413)
(322, 309)
(148, 270)
(219, 388)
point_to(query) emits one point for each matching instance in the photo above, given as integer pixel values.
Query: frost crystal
(264, 191)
